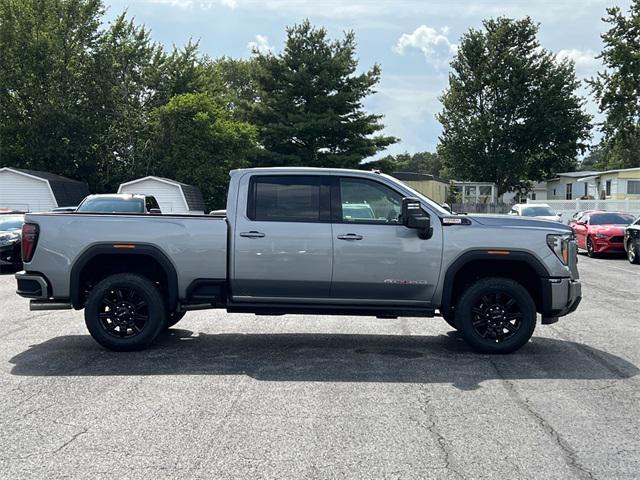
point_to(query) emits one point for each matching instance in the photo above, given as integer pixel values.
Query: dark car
(601, 232)
(119, 203)
(632, 241)
(10, 241)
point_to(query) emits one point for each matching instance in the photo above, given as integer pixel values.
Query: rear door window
(288, 198)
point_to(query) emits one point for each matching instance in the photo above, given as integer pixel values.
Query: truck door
(283, 242)
(375, 258)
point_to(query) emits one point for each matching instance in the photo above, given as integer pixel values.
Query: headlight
(559, 243)
(601, 235)
(9, 239)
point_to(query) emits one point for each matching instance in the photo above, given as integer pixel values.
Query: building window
(554, 192)
(533, 196)
(470, 191)
(608, 188)
(633, 187)
(569, 194)
(586, 189)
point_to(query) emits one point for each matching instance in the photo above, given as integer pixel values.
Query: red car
(601, 232)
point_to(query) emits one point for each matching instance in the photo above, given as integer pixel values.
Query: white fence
(569, 207)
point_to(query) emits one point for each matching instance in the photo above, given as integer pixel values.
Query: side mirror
(155, 211)
(414, 217)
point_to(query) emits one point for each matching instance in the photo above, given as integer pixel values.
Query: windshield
(538, 212)
(11, 223)
(611, 219)
(112, 205)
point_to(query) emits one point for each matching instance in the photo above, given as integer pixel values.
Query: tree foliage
(421, 162)
(511, 112)
(617, 89)
(196, 140)
(310, 102)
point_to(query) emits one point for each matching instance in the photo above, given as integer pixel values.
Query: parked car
(601, 232)
(632, 241)
(538, 210)
(119, 203)
(358, 211)
(10, 234)
(286, 246)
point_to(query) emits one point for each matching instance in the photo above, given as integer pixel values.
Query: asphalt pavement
(299, 397)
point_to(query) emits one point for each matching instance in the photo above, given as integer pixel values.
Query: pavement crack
(70, 441)
(429, 423)
(568, 454)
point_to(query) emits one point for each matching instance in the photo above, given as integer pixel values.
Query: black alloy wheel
(496, 315)
(125, 312)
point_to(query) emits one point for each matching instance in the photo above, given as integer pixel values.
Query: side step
(36, 305)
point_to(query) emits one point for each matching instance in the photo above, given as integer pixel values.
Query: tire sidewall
(464, 315)
(147, 290)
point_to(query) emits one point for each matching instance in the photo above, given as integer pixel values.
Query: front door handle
(350, 236)
(252, 234)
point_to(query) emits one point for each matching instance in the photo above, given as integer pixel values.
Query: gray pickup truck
(304, 241)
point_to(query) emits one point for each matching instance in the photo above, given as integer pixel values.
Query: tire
(173, 318)
(449, 318)
(496, 315)
(590, 251)
(633, 251)
(125, 312)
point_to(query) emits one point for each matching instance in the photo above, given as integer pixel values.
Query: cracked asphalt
(296, 397)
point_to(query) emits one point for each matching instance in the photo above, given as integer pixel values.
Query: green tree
(310, 102)
(197, 141)
(617, 88)
(49, 100)
(511, 113)
(420, 162)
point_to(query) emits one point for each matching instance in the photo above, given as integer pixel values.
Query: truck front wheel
(125, 312)
(496, 315)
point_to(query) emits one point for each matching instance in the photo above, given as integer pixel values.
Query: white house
(33, 191)
(172, 196)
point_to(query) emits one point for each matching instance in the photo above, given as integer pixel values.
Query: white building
(34, 191)
(172, 196)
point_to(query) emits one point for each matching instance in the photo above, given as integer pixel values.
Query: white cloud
(261, 44)
(584, 59)
(434, 44)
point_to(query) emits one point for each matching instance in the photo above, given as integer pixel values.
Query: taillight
(30, 232)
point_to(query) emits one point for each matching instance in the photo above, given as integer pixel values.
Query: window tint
(611, 219)
(367, 201)
(11, 223)
(285, 199)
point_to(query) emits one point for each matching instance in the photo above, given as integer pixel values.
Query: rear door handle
(350, 236)
(252, 234)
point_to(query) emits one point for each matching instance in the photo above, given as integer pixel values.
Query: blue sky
(412, 40)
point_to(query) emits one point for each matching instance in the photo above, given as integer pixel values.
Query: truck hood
(520, 222)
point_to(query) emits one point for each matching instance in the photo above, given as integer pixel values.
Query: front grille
(617, 239)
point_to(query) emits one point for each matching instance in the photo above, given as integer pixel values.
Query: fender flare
(473, 255)
(109, 249)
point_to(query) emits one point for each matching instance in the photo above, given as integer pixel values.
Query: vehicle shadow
(323, 358)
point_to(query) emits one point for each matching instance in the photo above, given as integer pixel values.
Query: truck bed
(195, 244)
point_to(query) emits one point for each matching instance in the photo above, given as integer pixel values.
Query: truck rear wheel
(496, 315)
(125, 312)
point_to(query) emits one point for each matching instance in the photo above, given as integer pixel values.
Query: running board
(37, 305)
(321, 309)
